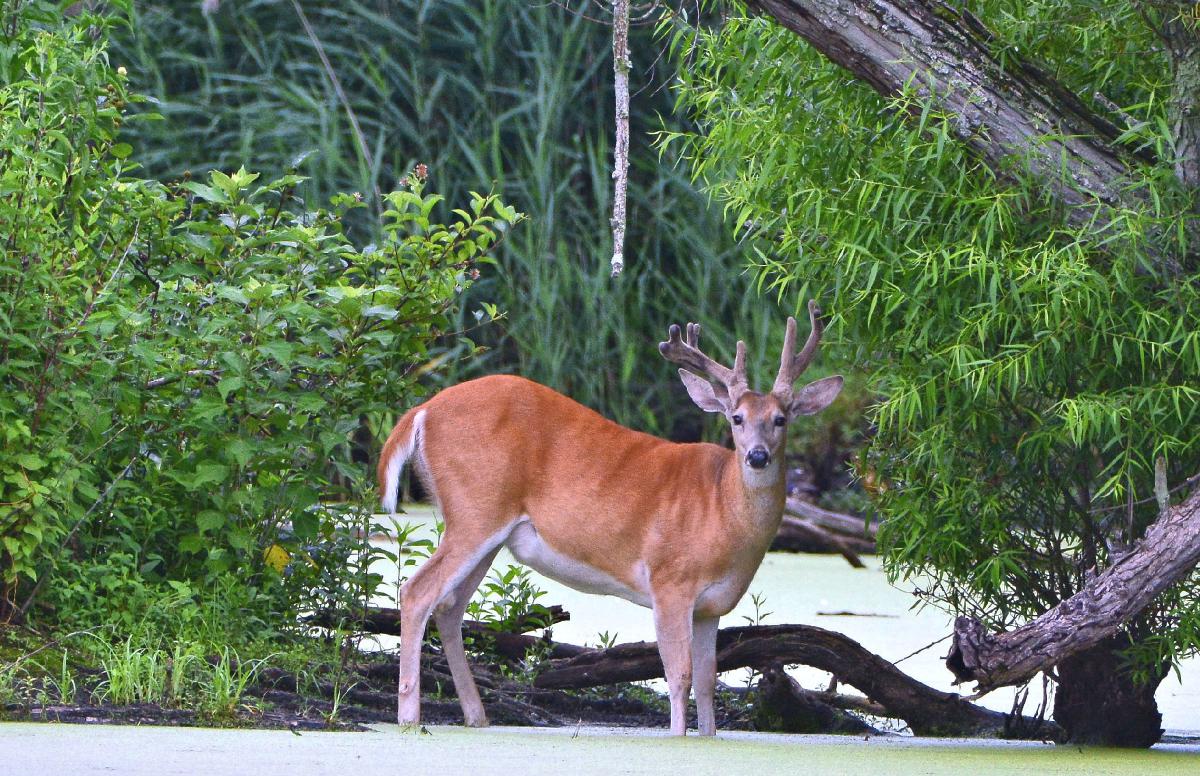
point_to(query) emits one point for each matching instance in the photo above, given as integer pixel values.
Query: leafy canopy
(1029, 372)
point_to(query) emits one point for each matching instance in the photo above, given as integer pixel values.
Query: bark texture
(1098, 703)
(621, 68)
(782, 705)
(1180, 33)
(1167, 553)
(1016, 116)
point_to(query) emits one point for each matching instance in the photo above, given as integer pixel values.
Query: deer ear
(816, 396)
(703, 393)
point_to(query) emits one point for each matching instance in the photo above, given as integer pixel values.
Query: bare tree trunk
(799, 535)
(1098, 701)
(1179, 32)
(850, 525)
(1167, 553)
(782, 705)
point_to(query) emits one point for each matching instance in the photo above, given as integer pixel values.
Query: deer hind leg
(704, 672)
(448, 616)
(455, 558)
(673, 627)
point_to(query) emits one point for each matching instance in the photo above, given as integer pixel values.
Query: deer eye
(780, 420)
(737, 420)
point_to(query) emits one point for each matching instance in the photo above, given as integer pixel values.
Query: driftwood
(889, 691)
(800, 535)
(782, 705)
(383, 619)
(1166, 554)
(850, 525)
(926, 710)
(807, 527)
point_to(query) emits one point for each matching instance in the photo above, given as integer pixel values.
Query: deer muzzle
(758, 458)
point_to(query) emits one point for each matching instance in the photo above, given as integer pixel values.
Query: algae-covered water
(33, 749)
(825, 591)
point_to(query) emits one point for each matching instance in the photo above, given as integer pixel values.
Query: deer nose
(758, 458)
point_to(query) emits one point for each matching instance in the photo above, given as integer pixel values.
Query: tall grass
(497, 94)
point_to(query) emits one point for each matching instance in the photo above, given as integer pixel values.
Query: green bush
(184, 364)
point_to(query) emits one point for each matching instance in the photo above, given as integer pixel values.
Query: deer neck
(757, 495)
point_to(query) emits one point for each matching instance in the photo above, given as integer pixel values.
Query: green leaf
(280, 350)
(206, 193)
(209, 520)
(29, 461)
(227, 385)
(241, 451)
(305, 524)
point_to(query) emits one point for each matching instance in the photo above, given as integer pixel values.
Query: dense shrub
(184, 364)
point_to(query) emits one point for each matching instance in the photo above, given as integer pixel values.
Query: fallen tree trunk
(850, 525)
(782, 705)
(1166, 554)
(383, 619)
(800, 535)
(512, 644)
(926, 710)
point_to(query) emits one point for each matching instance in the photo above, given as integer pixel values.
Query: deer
(680, 528)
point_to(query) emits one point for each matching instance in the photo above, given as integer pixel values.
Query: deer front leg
(673, 627)
(704, 672)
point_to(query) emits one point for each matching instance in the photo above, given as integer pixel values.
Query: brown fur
(685, 526)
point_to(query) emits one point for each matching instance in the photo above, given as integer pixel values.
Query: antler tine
(739, 364)
(791, 363)
(685, 351)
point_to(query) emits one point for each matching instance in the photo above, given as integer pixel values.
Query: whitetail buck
(679, 528)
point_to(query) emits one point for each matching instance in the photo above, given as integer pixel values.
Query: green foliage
(502, 90)
(70, 222)
(184, 365)
(1031, 371)
(507, 598)
(138, 673)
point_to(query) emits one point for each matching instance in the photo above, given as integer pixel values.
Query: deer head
(759, 420)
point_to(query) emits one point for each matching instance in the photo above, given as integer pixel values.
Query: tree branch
(1167, 554)
(621, 67)
(1014, 115)
(851, 525)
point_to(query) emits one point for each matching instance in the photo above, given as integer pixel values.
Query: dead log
(1165, 555)
(383, 619)
(801, 535)
(926, 710)
(855, 703)
(782, 705)
(839, 522)
(510, 644)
